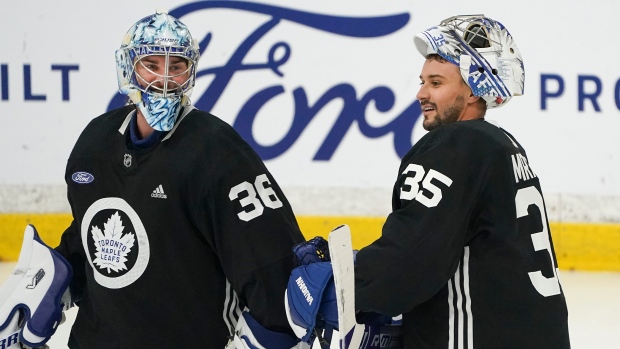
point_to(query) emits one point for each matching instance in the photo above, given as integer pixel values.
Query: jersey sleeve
(72, 249)
(252, 228)
(423, 238)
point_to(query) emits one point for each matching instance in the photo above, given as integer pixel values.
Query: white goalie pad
(33, 291)
(9, 337)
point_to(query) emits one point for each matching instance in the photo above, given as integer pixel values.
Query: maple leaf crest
(112, 246)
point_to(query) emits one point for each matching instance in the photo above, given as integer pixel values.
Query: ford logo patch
(82, 177)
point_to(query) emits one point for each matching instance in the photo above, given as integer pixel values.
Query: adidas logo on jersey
(159, 193)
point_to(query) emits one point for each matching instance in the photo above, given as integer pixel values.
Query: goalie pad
(249, 334)
(34, 291)
(9, 337)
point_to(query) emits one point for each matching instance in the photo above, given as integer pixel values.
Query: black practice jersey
(169, 242)
(466, 255)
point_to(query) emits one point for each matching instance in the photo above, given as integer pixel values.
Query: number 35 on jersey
(418, 177)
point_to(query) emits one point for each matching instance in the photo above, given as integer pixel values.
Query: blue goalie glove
(34, 292)
(311, 251)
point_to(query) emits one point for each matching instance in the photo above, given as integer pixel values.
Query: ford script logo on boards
(82, 177)
(356, 99)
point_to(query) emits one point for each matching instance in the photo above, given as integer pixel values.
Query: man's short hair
(436, 57)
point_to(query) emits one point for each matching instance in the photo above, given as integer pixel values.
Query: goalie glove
(37, 290)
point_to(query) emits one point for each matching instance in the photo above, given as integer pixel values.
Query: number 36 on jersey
(248, 195)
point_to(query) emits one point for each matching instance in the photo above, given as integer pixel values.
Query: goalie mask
(484, 51)
(156, 68)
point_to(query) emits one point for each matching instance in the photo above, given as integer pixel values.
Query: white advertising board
(324, 90)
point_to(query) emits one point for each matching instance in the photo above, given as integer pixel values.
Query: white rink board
(573, 151)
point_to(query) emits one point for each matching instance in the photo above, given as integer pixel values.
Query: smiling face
(444, 97)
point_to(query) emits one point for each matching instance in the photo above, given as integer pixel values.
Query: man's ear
(472, 99)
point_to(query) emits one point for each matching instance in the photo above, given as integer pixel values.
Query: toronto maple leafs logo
(115, 242)
(112, 245)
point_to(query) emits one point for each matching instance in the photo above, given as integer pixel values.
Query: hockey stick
(341, 252)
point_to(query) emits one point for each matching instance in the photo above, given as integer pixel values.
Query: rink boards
(578, 246)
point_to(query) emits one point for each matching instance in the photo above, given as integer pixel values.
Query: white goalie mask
(162, 84)
(487, 56)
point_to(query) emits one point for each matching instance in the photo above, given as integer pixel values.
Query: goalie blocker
(34, 296)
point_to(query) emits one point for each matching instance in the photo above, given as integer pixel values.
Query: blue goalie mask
(484, 51)
(156, 68)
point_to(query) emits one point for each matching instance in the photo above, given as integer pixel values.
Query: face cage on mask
(169, 87)
(472, 30)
